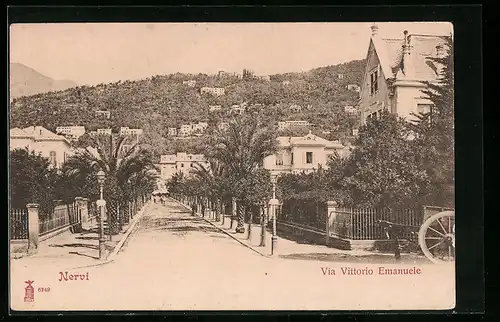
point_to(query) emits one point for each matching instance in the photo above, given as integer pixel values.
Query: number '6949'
(44, 289)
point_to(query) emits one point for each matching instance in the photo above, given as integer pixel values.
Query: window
(374, 82)
(182, 165)
(191, 165)
(52, 158)
(291, 161)
(279, 159)
(423, 108)
(309, 157)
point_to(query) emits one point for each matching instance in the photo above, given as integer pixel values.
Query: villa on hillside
(282, 125)
(71, 132)
(124, 130)
(54, 147)
(216, 91)
(395, 72)
(180, 162)
(106, 114)
(298, 154)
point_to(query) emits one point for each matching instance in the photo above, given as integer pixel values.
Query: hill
(26, 81)
(159, 102)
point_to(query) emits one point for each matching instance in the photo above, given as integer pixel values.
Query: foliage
(434, 132)
(32, 180)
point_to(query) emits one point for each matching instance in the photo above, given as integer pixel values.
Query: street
(174, 261)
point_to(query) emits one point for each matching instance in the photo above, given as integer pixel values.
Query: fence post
(33, 225)
(81, 204)
(330, 218)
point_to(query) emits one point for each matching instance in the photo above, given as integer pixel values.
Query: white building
(104, 131)
(297, 154)
(185, 130)
(190, 83)
(340, 76)
(214, 108)
(172, 131)
(350, 109)
(295, 108)
(180, 162)
(71, 132)
(285, 83)
(106, 114)
(353, 87)
(125, 130)
(286, 124)
(222, 126)
(396, 71)
(54, 147)
(216, 91)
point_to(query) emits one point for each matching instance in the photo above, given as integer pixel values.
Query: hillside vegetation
(159, 102)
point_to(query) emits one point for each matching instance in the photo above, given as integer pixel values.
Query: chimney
(374, 28)
(408, 67)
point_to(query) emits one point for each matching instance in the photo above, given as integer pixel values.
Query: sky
(92, 53)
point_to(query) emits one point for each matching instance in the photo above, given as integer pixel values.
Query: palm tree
(129, 173)
(241, 150)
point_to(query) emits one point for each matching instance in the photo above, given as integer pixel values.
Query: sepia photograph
(231, 166)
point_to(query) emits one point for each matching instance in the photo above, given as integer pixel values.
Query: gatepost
(330, 219)
(81, 204)
(33, 226)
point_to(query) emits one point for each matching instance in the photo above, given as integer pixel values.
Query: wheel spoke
(436, 244)
(436, 231)
(440, 224)
(434, 238)
(449, 251)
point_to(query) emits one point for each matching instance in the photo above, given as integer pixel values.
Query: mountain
(162, 101)
(25, 81)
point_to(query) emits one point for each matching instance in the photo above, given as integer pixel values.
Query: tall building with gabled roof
(396, 71)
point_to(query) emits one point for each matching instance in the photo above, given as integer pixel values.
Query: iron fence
(362, 224)
(18, 224)
(62, 216)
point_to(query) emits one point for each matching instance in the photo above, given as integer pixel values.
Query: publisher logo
(29, 292)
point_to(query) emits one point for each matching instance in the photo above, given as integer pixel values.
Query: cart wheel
(436, 237)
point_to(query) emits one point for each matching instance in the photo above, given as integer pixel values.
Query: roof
(390, 54)
(307, 140)
(37, 133)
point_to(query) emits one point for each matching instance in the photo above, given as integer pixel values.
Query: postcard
(231, 166)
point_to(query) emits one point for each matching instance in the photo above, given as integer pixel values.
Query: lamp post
(101, 203)
(273, 203)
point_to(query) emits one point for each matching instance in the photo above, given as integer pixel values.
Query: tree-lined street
(175, 261)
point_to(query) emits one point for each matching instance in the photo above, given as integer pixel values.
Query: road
(174, 261)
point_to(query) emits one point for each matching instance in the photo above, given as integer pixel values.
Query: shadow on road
(86, 255)
(88, 238)
(186, 229)
(372, 259)
(75, 245)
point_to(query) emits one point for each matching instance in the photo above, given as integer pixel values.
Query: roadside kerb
(224, 231)
(112, 255)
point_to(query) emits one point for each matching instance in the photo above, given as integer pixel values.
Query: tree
(32, 180)
(130, 173)
(241, 149)
(434, 131)
(383, 170)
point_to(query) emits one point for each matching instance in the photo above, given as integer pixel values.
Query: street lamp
(273, 203)
(101, 203)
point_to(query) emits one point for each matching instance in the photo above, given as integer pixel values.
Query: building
(297, 154)
(199, 127)
(54, 147)
(71, 132)
(395, 72)
(216, 91)
(172, 131)
(350, 109)
(266, 78)
(340, 76)
(180, 162)
(237, 110)
(185, 130)
(104, 131)
(190, 83)
(285, 83)
(353, 87)
(287, 124)
(124, 130)
(214, 108)
(106, 114)
(295, 108)
(222, 126)
(355, 132)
